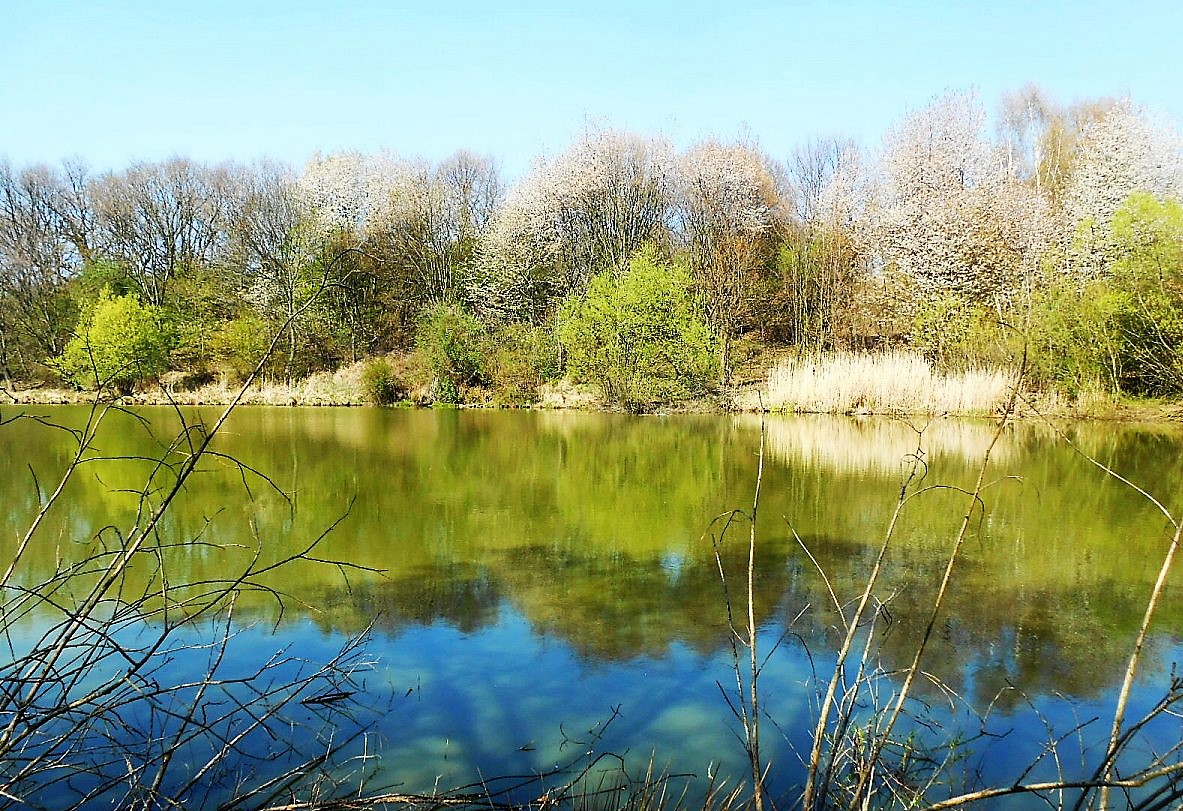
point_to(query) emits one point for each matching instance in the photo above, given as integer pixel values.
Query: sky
(119, 81)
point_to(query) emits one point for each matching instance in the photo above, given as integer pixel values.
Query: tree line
(1048, 230)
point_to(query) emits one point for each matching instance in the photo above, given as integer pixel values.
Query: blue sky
(217, 80)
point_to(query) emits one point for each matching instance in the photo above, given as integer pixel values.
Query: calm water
(530, 575)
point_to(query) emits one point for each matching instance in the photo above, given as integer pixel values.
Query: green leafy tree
(1148, 234)
(119, 343)
(638, 335)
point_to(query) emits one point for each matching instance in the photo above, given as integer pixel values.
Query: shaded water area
(530, 575)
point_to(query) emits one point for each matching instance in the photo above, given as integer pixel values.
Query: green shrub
(1148, 233)
(1123, 331)
(521, 358)
(956, 335)
(1073, 341)
(450, 343)
(240, 343)
(1069, 332)
(638, 335)
(379, 383)
(445, 391)
(119, 343)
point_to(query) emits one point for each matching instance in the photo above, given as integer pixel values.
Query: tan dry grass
(563, 394)
(888, 383)
(339, 388)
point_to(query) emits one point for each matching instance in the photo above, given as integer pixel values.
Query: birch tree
(813, 168)
(431, 225)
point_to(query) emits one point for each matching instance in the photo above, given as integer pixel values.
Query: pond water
(542, 585)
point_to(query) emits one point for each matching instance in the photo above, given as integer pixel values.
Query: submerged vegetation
(1056, 236)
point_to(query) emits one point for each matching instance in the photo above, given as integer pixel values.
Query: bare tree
(819, 260)
(434, 218)
(812, 169)
(43, 241)
(160, 221)
(89, 713)
(275, 250)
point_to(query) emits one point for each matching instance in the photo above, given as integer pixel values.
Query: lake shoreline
(744, 399)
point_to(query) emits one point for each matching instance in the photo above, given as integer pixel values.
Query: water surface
(528, 576)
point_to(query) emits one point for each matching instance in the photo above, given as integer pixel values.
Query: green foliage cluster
(956, 335)
(1121, 333)
(380, 384)
(1149, 275)
(119, 344)
(450, 343)
(239, 344)
(457, 353)
(638, 334)
(1072, 342)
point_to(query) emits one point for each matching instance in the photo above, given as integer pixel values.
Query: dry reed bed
(888, 383)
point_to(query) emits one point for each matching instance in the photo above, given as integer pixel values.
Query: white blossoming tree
(584, 211)
(1119, 154)
(422, 221)
(947, 212)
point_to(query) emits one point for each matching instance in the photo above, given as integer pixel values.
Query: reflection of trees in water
(590, 526)
(461, 595)
(611, 608)
(608, 608)
(992, 635)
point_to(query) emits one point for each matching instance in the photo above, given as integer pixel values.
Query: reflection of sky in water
(505, 701)
(447, 707)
